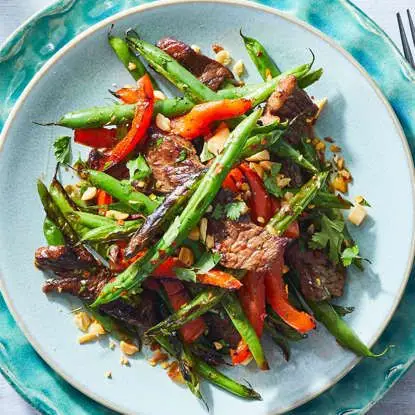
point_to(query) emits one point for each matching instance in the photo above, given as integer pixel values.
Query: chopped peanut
(223, 57)
(82, 321)
(115, 214)
(96, 328)
(108, 374)
(335, 149)
(218, 345)
(320, 146)
(196, 48)
(260, 219)
(257, 168)
(321, 103)
(217, 142)
(163, 122)
(266, 165)
(159, 96)
(158, 357)
(186, 256)
(89, 193)
(239, 68)
(128, 348)
(340, 184)
(261, 156)
(132, 66)
(174, 373)
(87, 338)
(282, 181)
(357, 215)
(210, 241)
(124, 361)
(203, 229)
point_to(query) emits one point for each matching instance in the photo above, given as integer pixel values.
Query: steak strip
(244, 245)
(208, 71)
(173, 161)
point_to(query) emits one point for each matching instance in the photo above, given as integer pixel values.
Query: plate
(358, 117)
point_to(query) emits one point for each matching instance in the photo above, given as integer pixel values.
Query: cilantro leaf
(185, 274)
(182, 155)
(330, 235)
(270, 181)
(62, 149)
(232, 210)
(235, 209)
(206, 155)
(207, 261)
(138, 168)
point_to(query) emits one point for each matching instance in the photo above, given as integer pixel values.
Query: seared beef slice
(207, 70)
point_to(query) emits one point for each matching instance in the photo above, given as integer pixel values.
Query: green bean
(260, 57)
(138, 271)
(120, 113)
(260, 142)
(128, 59)
(53, 234)
(344, 335)
(269, 128)
(123, 191)
(210, 373)
(91, 220)
(283, 149)
(219, 379)
(236, 314)
(162, 216)
(310, 78)
(54, 214)
(112, 232)
(171, 70)
(202, 303)
(296, 205)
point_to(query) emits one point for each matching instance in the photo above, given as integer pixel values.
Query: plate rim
(250, 5)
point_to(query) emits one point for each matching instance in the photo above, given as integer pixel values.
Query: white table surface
(400, 400)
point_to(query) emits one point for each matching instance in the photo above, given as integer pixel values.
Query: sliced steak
(61, 258)
(208, 71)
(320, 279)
(221, 328)
(142, 316)
(244, 245)
(86, 287)
(288, 101)
(173, 160)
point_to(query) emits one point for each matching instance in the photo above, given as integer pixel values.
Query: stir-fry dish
(202, 223)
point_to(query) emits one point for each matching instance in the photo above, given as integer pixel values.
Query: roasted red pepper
(139, 124)
(198, 121)
(103, 199)
(96, 137)
(233, 181)
(213, 277)
(260, 201)
(178, 296)
(277, 297)
(252, 298)
(128, 95)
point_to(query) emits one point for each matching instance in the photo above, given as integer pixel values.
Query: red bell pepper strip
(277, 297)
(103, 199)
(197, 122)
(233, 181)
(128, 95)
(213, 277)
(252, 298)
(241, 355)
(139, 124)
(259, 202)
(96, 137)
(178, 296)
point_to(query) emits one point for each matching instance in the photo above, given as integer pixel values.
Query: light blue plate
(358, 117)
